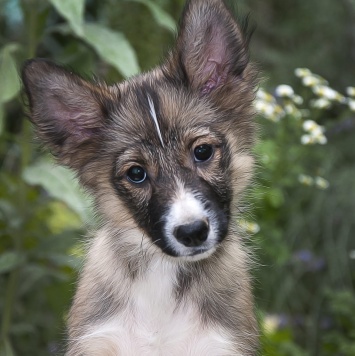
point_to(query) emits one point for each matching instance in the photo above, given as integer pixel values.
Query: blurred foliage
(303, 197)
(305, 208)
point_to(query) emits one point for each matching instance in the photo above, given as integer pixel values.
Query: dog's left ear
(211, 50)
(68, 112)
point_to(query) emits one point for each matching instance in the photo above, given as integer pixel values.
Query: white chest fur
(154, 324)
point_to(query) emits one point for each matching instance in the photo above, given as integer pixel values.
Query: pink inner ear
(77, 122)
(215, 68)
(217, 77)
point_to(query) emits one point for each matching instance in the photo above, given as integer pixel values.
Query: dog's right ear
(211, 52)
(67, 111)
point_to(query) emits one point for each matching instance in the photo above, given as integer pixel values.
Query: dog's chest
(154, 323)
(157, 318)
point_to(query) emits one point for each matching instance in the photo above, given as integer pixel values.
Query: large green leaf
(72, 11)
(61, 184)
(10, 260)
(160, 16)
(113, 47)
(9, 79)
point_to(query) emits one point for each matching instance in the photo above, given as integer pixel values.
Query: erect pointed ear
(210, 46)
(67, 111)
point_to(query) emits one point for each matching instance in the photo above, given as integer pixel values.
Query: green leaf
(113, 47)
(9, 79)
(160, 16)
(61, 184)
(72, 11)
(10, 260)
(62, 260)
(6, 348)
(275, 197)
(2, 115)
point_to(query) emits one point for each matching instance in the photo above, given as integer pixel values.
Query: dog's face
(167, 151)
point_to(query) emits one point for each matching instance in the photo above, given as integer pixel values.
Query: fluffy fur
(144, 290)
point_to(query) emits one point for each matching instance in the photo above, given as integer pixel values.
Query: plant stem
(9, 301)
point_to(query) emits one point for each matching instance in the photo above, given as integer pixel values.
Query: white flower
(297, 99)
(352, 254)
(289, 108)
(351, 104)
(263, 95)
(322, 139)
(250, 227)
(318, 131)
(269, 110)
(324, 91)
(315, 133)
(306, 180)
(284, 91)
(253, 228)
(321, 103)
(271, 323)
(321, 183)
(309, 125)
(350, 91)
(306, 139)
(264, 108)
(310, 81)
(328, 93)
(302, 72)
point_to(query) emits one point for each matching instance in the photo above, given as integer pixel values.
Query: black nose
(192, 235)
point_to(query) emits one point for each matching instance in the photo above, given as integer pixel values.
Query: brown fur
(203, 95)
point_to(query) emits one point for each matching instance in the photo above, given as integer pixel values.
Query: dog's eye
(136, 174)
(203, 152)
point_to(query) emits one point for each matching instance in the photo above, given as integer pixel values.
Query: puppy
(166, 156)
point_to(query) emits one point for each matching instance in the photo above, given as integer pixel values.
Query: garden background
(300, 214)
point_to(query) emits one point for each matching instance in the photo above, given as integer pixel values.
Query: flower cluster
(285, 103)
(267, 106)
(315, 133)
(326, 96)
(318, 182)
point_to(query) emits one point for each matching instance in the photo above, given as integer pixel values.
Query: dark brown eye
(203, 152)
(136, 174)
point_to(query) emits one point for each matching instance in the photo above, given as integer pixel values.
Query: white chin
(197, 255)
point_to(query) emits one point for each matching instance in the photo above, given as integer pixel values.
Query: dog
(166, 156)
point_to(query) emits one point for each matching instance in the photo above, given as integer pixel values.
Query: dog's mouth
(197, 254)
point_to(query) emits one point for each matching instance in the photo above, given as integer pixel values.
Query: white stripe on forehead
(154, 117)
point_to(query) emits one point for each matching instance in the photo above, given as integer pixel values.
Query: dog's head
(167, 151)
